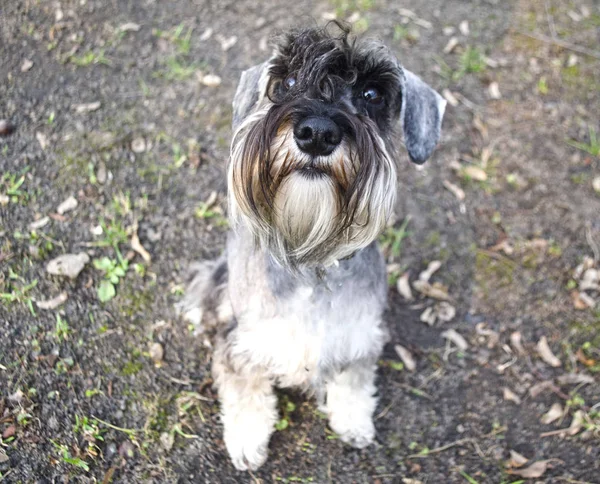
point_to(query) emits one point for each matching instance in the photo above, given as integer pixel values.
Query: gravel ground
(115, 137)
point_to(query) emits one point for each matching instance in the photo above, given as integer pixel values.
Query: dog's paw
(247, 439)
(354, 428)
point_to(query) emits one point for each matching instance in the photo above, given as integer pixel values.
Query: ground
(116, 104)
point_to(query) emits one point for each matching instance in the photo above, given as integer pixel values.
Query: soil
(120, 391)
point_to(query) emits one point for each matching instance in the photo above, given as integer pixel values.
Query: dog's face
(312, 170)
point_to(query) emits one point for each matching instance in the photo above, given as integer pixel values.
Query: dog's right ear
(250, 90)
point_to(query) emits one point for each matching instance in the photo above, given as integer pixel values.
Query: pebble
(157, 352)
(68, 265)
(6, 127)
(138, 145)
(27, 65)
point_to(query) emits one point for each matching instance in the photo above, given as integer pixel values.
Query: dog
(297, 299)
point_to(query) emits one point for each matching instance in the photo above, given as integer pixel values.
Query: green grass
(89, 58)
(19, 294)
(592, 147)
(391, 239)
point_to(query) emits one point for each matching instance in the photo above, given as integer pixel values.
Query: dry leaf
(576, 423)
(211, 80)
(403, 287)
(575, 379)
(54, 302)
(406, 357)
(474, 173)
(129, 27)
(555, 412)
(516, 459)
(546, 354)
(538, 388)
(464, 27)
(451, 45)
(515, 341)
(42, 140)
(445, 311)
(458, 192)
(451, 98)
(66, 206)
(27, 65)
(536, 469)
(87, 108)
(494, 91)
(456, 338)
(428, 316)
(139, 248)
(596, 184)
(511, 396)
(432, 267)
(435, 292)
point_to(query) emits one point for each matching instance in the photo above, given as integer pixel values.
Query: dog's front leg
(248, 409)
(351, 402)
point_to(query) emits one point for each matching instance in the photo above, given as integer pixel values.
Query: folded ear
(249, 91)
(421, 116)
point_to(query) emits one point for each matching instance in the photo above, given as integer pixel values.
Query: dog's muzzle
(317, 135)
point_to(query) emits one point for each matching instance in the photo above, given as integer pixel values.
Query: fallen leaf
(27, 65)
(139, 248)
(515, 341)
(451, 98)
(511, 396)
(451, 45)
(555, 412)
(42, 140)
(458, 192)
(66, 206)
(445, 311)
(38, 224)
(474, 173)
(575, 379)
(516, 459)
(211, 80)
(546, 354)
(576, 423)
(403, 287)
(129, 27)
(536, 469)
(207, 34)
(54, 302)
(540, 387)
(428, 316)
(406, 357)
(435, 292)
(455, 338)
(87, 108)
(494, 91)
(432, 267)
(156, 352)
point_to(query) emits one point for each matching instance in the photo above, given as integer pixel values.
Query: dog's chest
(311, 332)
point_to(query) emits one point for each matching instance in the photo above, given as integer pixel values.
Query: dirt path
(116, 104)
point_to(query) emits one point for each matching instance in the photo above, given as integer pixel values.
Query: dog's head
(312, 170)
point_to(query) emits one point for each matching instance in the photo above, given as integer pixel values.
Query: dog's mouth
(312, 171)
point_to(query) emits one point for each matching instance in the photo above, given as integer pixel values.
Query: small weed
(542, 86)
(62, 330)
(391, 239)
(89, 58)
(10, 184)
(592, 147)
(345, 7)
(68, 458)
(469, 479)
(114, 271)
(91, 433)
(471, 60)
(19, 295)
(287, 408)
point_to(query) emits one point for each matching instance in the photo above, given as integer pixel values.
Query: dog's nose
(317, 135)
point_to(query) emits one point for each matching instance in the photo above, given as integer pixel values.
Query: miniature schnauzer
(297, 300)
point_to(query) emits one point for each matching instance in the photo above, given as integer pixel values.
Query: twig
(592, 243)
(437, 450)
(551, 25)
(561, 43)
(114, 427)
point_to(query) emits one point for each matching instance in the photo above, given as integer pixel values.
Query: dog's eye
(372, 96)
(290, 81)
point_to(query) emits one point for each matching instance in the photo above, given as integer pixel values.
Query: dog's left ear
(421, 116)
(248, 92)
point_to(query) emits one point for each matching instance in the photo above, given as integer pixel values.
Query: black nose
(317, 135)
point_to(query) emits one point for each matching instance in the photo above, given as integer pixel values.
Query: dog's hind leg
(248, 410)
(351, 402)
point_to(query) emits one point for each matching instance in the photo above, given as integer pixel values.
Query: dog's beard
(309, 210)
